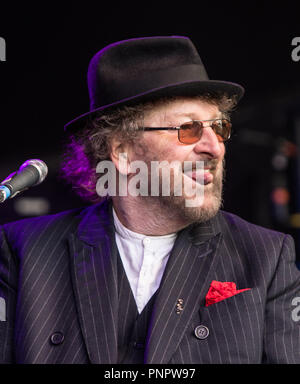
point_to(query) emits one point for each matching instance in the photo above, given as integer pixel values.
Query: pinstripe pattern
(60, 274)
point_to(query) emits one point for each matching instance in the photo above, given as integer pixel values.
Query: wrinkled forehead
(182, 110)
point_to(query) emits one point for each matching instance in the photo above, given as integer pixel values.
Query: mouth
(204, 176)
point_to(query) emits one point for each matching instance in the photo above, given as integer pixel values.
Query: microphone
(31, 173)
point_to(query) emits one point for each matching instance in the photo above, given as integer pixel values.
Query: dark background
(43, 86)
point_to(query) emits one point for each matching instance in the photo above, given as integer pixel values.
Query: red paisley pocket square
(219, 291)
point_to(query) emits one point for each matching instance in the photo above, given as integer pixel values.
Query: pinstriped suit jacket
(59, 274)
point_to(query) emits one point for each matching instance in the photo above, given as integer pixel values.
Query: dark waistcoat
(132, 326)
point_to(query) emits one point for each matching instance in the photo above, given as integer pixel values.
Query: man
(149, 278)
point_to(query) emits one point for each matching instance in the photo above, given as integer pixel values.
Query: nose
(209, 144)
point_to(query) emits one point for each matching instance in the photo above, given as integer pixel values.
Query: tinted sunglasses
(191, 132)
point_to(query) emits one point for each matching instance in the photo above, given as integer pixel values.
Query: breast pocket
(235, 327)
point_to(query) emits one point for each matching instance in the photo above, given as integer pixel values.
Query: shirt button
(57, 338)
(201, 332)
(146, 241)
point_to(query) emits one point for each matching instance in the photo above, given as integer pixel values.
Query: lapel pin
(179, 306)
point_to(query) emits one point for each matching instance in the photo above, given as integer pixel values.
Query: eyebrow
(194, 116)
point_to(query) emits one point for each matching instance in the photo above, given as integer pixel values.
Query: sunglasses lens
(190, 132)
(222, 129)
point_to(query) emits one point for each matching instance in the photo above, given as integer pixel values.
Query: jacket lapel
(94, 275)
(188, 274)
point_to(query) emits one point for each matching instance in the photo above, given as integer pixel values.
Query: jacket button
(57, 338)
(201, 332)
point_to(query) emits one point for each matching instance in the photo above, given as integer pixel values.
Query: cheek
(161, 147)
(223, 149)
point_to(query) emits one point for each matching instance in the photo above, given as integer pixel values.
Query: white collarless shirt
(144, 259)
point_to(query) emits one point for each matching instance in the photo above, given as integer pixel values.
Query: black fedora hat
(142, 69)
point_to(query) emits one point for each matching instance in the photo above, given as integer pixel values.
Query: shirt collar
(126, 233)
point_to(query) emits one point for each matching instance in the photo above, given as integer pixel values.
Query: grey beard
(174, 206)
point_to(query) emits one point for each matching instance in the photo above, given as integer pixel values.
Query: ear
(120, 155)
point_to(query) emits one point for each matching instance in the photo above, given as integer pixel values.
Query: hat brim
(187, 89)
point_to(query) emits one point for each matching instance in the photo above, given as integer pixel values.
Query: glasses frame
(179, 127)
